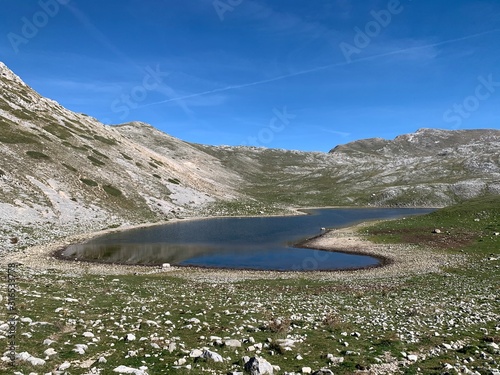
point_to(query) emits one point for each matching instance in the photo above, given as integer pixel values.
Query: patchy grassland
(435, 323)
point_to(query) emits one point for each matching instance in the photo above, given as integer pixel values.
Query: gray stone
(195, 353)
(213, 356)
(233, 343)
(129, 337)
(323, 371)
(412, 357)
(259, 366)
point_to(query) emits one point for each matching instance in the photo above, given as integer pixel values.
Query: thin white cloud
(331, 131)
(101, 38)
(407, 50)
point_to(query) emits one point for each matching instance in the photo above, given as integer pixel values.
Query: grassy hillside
(469, 227)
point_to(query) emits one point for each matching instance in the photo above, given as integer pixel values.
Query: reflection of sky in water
(254, 243)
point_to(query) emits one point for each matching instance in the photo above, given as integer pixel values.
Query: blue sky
(304, 75)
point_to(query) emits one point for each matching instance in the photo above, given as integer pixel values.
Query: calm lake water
(262, 243)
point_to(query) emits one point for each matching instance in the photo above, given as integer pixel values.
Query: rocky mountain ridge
(63, 173)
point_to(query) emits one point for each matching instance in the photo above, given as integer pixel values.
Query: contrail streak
(319, 68)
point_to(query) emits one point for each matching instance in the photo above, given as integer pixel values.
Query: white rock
(306, 370)
(64, 366)
(25, 356)
(194, 321)
(88, 334)
(48, 342)
(286, 343)
(412, 357)
(258, 366)
(129, 337)
(335, 360)
(216, 357)
(49, 352)
(180, 362)
(195, 353)
(129, 370)
(80, 348)
(493, 345)
(232, 343)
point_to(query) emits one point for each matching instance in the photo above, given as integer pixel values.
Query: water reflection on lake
(263, 243)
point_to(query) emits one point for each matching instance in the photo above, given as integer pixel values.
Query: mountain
(62, 172)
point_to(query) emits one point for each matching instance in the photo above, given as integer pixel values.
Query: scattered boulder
(213, 356)
(232, 343)
(195, 353)
(129, 337)
(259, 366)
(412, 358)
(323, 371)
(437, 231)
(64, 366)
(334, 360)
(80, 348)
(25, 356)
(49, 352)
(129, 370)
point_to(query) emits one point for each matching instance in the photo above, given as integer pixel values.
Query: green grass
(100, 154)
(11, 133)
(89, 182)
(58, 130)
(108, 141)
(72, 169)
(37, 155)
(174, 181)
(125, 156)
(111, 190)
(95, 161)
(461, 225)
